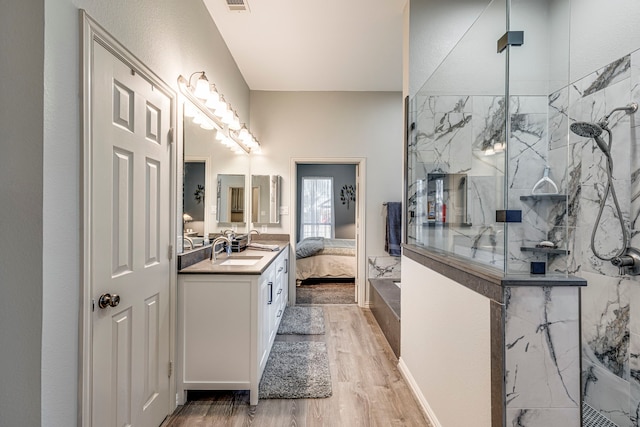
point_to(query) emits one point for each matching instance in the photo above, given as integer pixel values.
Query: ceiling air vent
(237, 5)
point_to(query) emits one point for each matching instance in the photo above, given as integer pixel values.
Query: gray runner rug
(302, 320)
(296, 370)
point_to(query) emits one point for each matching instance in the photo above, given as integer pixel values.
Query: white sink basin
(247, 260)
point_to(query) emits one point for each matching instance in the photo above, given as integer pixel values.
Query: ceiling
(315, 45)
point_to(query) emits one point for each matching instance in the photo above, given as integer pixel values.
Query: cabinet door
(265, 315)
(215, 327)
(285, 279)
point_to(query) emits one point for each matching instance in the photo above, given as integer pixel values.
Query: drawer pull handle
(270, 284)
(279, 291)
(279, 313)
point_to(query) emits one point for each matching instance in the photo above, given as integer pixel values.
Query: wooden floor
(368, 389)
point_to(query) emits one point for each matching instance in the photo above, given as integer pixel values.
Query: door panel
(130, 235)
(152, 210)
(121, 392)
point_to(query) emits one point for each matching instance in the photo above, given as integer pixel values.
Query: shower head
(590, 130)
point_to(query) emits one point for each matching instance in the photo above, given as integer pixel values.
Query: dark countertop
(481, 278)
(266, 257)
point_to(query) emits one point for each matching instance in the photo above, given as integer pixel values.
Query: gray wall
(321, 126)
(171, 38)
(21, 175)
(342, 175)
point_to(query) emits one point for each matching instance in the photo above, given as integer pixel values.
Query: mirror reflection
(265, 199)
(205, 159)
(194, 196)
(230, 201)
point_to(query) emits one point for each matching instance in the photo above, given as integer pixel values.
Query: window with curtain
(318, 218)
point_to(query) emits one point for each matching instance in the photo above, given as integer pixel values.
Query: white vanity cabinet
(226, 326)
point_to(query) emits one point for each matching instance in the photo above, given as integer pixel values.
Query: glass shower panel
(538, 128)
(456, 148)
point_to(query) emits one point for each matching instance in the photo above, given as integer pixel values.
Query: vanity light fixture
(247, 138)
(201, 90)
(221, 109)
(214, 98)
(210, 110)
(243, 134)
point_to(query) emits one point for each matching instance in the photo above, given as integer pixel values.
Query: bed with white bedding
(317, 257)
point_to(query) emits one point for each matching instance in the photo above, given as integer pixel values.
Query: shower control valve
(628, 262)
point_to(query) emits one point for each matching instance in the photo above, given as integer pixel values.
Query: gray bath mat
(296, 370)
(301, 320)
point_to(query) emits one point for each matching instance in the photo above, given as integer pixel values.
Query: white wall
(171, 38)
(331, 125)
(21, 256)
(601, 33)
(445, 346)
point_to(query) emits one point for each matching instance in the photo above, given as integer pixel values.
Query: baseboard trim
(428, 412)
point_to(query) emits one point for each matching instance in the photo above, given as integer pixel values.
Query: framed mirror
(230, 199)
(202, 148)
(265, 199)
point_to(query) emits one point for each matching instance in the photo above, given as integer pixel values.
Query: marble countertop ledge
(208, 267)
(480, 278)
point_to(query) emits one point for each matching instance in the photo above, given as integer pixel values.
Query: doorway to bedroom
(327, 218)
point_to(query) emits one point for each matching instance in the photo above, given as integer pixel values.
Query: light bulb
(202, 87)
(243, 134)
(228, 116)
(221, 109)
(235, 122)
(213, 99)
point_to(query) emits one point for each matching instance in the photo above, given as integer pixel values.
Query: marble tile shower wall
(542, 378)
(610, 303)
(531, 150)
(451, 136)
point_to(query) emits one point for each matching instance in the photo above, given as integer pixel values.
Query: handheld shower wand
(627, 259)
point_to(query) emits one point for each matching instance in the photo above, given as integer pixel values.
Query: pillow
(309, 247)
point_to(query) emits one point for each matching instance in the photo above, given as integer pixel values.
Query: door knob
(108, 300)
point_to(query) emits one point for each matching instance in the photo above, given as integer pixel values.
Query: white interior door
(130, 237)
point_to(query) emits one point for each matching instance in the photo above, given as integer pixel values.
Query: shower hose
(609, 188)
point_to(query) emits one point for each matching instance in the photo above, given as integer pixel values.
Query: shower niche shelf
(558, 251)
(552, 197)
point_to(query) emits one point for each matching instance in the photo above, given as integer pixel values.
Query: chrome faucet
(249, 235)
(217, 240)
(186, 239)
(229, 233)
